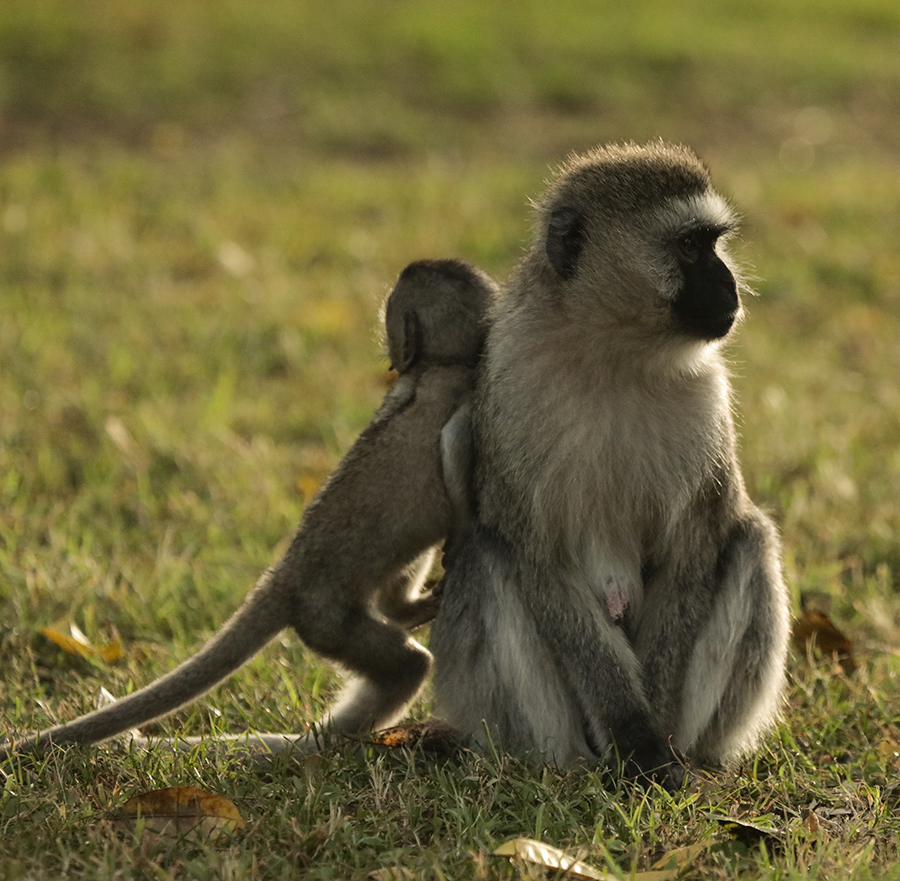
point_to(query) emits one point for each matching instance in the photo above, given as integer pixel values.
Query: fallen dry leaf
(814, 629)
(747, 832)
(541, 854)
(682, 856)
(392, 873)
(888, 751)
(396, 737)
(181, 812)
(76, 643)
(431, 736)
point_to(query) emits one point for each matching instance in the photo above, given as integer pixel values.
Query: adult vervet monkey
(352, 580)
(619, 589)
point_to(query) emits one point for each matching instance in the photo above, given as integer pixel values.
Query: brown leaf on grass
(682, 856)
(748, 832)
(811, 822)
(76, 643)
(814, 630)
(540, 854)
(888, 750)
(400, 735)
(393, 873)
(431, 736)
(184, 812)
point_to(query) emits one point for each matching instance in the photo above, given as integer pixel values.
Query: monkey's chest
(610, 506)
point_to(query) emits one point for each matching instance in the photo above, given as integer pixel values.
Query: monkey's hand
(646, 756)
(419, 610)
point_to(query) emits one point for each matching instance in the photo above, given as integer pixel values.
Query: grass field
(201, 207)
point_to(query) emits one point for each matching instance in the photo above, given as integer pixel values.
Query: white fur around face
(671, 220)
(707, 209)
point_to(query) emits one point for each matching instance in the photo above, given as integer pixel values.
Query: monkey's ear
(411, 345)
(565, 239)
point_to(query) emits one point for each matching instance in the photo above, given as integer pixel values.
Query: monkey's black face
(708, 302)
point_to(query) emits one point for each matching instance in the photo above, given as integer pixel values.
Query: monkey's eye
(689, 246)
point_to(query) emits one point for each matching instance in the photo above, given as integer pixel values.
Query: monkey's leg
(716, 680)
(735, 675)
(388, 669)
(599, 666)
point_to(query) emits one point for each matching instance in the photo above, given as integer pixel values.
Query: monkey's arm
(717, 679)
(457, 459)
(599, 666)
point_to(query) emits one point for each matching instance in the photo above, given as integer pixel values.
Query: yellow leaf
(111, 651)
(664, 869)
(392, 873)
(681, 856)
(393, 737)
(550, 857)
(76, 643)
(183, 812)
(656, 875)
(888, 750)
(749, 833)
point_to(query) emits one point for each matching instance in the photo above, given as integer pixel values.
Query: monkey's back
(386, 503)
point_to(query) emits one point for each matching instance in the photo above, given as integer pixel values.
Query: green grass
(201, 207)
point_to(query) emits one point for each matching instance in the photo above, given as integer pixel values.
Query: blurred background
(203, 203)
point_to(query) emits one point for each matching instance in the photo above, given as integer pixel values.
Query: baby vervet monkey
(619, 590)
(351, 582)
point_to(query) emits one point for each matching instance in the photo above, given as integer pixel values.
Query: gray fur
(351, 582)
(619, 589)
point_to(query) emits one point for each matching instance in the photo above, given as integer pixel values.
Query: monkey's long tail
(250, 628)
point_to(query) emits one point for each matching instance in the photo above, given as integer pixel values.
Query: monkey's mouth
(707, 327)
